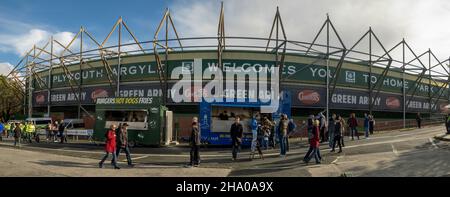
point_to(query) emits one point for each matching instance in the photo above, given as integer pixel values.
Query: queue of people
(25, 131)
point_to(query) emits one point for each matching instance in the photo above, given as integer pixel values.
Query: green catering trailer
(145, 117)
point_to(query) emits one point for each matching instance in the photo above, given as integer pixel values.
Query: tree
(11, 97)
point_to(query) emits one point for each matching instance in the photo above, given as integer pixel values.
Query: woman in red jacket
(314, 143)
(110, 147)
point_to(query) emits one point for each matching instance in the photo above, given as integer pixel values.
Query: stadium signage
(303, 96)
(292, 72)
(121, 101)
(355, 99)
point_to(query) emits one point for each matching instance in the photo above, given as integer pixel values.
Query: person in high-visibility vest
(29, 128)
(11, 129)
(7, 128)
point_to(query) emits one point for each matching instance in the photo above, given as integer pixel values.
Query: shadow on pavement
(68, 164)
(423, 160)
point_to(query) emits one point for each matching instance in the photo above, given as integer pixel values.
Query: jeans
(113, 161)
(323, 137)
(366, 132)
(236, 149)
(17, 141)
(337, 139)
(282, 145)
(265, 143)
(127, 153)
(330, 139)
(309, 153)
(195, 155)
(287, 144)
(353, 131)
(314, 153)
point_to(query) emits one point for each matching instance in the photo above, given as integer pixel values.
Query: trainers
(116, 168)
(100, 165)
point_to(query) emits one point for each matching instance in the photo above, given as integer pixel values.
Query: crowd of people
(116, 140)
(27, 131)
(21, 132)
(266, 133)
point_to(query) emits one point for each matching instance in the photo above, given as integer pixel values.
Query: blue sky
(18, 17)
(422, 23)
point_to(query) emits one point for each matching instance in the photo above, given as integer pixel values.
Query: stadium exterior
(318, 76)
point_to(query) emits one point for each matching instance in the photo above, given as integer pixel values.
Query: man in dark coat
(122, 143)
(419, 120)
(17, 135)
(195, 144)
(236, 134)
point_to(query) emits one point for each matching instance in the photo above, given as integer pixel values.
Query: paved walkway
(19, 163)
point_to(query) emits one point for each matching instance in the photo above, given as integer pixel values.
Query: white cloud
(20, 44)
(421, 22)
(5, 68)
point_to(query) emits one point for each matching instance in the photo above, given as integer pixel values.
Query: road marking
(432, 143)
(333, 162)
(394, 150)
(136, 158)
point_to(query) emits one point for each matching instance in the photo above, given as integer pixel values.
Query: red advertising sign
(309, 97)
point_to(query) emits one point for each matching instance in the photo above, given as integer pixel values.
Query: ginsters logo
(309, 97)
(40, 99)
(99, 93)
(392, 103)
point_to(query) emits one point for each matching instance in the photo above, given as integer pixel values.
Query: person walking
(366, 126)
(371, 124)
(17, 135)
(283, 127)
(353, 123)
(337, 134)
(122, 143)
(195, 144)
(256, 137)
(61, 129)
(291, 130)
(7, 128)
(343, 127)
(236, 133)
(48, 131)
(322, 120)
(266, 128)
(29, 129)
(314, 143)
(309, 126)
(11, 129)
(419, 120)
(331, 128)
(110, 147)
(55, 131)
(272, 142)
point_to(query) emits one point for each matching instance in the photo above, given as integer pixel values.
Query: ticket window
(137, 120)
(223, 117)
